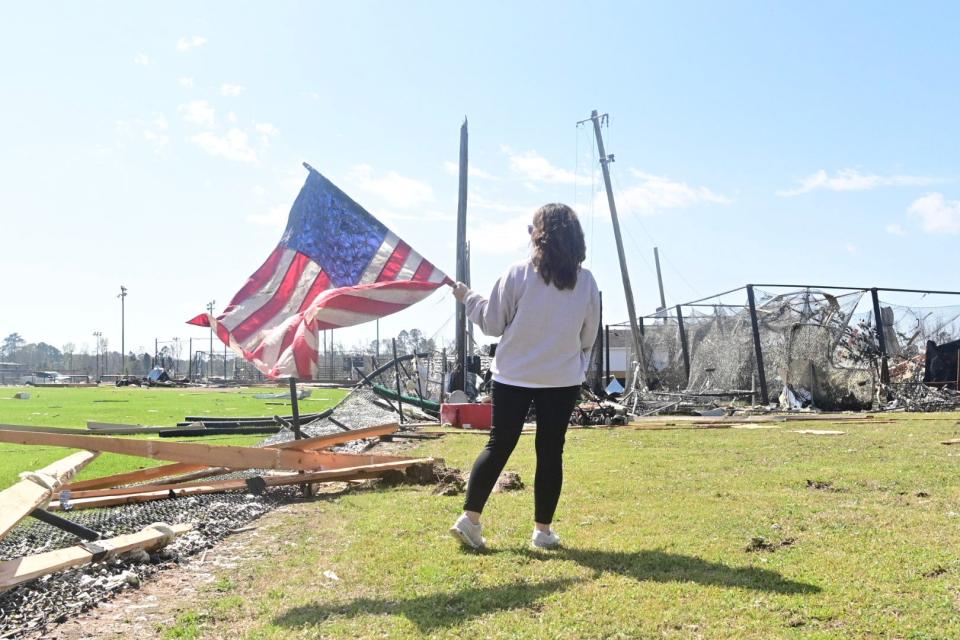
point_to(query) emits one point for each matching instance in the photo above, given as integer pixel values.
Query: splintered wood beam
(306, 444)
(17, 501)
(20, 570)
(147, 493)
(205, 454)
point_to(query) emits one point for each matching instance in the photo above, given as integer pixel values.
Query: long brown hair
(558, 245)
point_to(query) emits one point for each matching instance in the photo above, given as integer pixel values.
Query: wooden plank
(38, 429)
(162, 492)
(206, 454)
(17, 501)
(306, 444)
(116, 429)
(20, 570)
(336, 462)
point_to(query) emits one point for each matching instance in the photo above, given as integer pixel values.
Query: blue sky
(159, 147)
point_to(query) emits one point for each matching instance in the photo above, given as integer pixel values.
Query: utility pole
(663, 300)
(123, 322)
(461, 257)
(209, 370)
(627, 290)
(96, 337)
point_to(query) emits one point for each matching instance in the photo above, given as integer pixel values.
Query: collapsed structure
(802, 345)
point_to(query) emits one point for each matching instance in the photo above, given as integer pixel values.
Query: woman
(547, 310)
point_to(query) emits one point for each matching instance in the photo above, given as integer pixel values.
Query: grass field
(860, 540)
(72, 407)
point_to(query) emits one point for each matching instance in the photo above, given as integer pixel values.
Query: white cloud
(199, 112)
(474, 172)
(530, 165)
(895, 229)
(507, 236)
(936, 214)
(185, 43)
(259, 191)
(231, 90)
(274, 217)
(852, 248)
(853, 180)
(655, 193)
(394, 189)
(185, 82)
(156, 139)
(141, 59)
(233, 145)
(266, 131)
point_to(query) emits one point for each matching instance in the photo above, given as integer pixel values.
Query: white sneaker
(468, 533)
(548, 540)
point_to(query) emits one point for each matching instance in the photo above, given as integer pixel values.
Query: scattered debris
(936, 572)
(23, 395)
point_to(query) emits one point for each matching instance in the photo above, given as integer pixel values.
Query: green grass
(656, 527)
(72, 407)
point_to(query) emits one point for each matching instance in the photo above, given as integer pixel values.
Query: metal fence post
(758, 350)
(683, 345)
(881, 336)
(396, 373)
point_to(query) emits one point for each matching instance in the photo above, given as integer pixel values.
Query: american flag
(336, 266)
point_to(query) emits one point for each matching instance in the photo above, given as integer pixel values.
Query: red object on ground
(467, 415)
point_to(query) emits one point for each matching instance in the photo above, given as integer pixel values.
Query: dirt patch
(508, 481)
(759, 543)
(823, 485)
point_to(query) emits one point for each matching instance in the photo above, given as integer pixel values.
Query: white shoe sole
(464, 538)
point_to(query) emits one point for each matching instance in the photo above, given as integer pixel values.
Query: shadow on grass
(659, 566)
(448, 609)
(432, 611)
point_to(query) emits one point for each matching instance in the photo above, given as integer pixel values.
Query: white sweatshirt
(547, 333)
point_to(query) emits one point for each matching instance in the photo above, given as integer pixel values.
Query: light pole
(210, 352)
(123, 320)
(96, 337)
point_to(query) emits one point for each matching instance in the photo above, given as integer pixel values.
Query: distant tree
(11, 344)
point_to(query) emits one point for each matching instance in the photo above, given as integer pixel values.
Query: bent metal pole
(640, 380)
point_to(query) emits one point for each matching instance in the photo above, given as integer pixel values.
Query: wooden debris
(110, 497)
(19, 570)
(951, 441)
(17, 501)
(818, 432)
(306, 444)
(207, 454)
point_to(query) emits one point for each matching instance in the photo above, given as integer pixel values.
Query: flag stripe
(268, 311)
(365, 305)
(423, 272)
(259, 278)
(395, 263)
(249, 306)
(311, 277)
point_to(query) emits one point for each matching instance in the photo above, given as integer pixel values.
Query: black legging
(554, 406)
